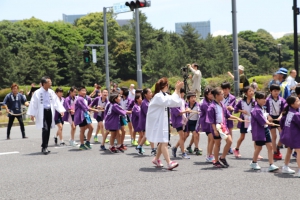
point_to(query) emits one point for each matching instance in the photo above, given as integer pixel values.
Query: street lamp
(279, 54)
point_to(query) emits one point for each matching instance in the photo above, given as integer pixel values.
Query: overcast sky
(275, 16)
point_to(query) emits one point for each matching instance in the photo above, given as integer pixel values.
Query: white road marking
(6, 153)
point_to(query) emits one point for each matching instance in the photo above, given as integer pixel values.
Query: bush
(127, 83)
(5, 91)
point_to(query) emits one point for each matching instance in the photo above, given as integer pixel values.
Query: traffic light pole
(296, 58)
(235, 51)
(106, 51)
(138, 49)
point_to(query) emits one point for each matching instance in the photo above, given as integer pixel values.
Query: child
(125, 103)
(193, 117)
(157, 122)
(136, 109)
(245, 107)
(290, 124)
(58, 119)
(147, 94)
(297, 91)
(100, 102)
(261, 132)
(69, 105)
(229, 101)
(83, 119)
(205, 127)
(112, 120)
(274, 106)
(179, 119)
(217, 114)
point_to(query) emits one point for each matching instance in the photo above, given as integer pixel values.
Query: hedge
(5, 91)
(128, 83)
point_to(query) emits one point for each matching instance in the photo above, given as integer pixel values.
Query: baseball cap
(282, 71)
(241, 67)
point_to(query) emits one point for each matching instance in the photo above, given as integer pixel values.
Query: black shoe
(62, 144)
(55, 140)
(224, 162)
(24, 137)
(45, 151)
(8, 138)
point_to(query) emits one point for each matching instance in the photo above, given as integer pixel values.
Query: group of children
(259, 114)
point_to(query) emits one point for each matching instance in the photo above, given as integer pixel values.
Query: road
(68, 173)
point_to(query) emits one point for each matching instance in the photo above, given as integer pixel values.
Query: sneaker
(139, 150)
(76, 143)
(143, 150)
(236, 153)
(83, 147)
(45, 151)
(224, 162)
(174, 150)
(113, 149)
(184, 155)
(134, 143)
(172, 165)
(277, 156)
(287, 170)
(255, 166)
(189, 149)
(218, 165)
(72, 143)
(295, 154)
(102, 147)
(298, 174)
(273, 168)
(123, 147)
(55, 140)
(120, 148)
(62, 144)
(210, 158)
(147, 143)
(88, 144)
(230, 151)
(153, 152)
(198, 152)
(96, 138)
(157, 163)
(106, 140)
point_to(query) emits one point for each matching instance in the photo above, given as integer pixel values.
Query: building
(72, 18)
(202, 28)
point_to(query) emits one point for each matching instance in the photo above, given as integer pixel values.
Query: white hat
(241, 67)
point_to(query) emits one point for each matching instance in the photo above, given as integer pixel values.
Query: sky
(275, 16)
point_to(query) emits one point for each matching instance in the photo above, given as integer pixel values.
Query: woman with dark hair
(157, 122)
(58, 118)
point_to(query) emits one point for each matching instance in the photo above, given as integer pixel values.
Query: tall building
(71, 19)
(203, 28)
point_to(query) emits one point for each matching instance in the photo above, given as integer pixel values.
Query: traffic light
(86, 56)
(138, 4)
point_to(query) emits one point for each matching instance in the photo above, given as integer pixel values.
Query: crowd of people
(152, 115)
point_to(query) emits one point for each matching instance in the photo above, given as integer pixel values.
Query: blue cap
(282, 71)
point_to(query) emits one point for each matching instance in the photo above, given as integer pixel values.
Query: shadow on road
(39, 154)
(202, 163)
(154, 169)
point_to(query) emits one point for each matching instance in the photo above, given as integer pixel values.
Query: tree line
(32, 48)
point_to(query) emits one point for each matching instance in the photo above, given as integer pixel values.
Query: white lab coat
(157, 129)
(36, 107)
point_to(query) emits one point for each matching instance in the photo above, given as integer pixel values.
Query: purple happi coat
(205, 127)
(95, 103)
(80, 108)
(136, 109)
(67, 106)
(290, 125)
(112, 118)
(229, 101)
(270, 108)
(258, 123)
(143, 115)
(211, 116)
(240, 106)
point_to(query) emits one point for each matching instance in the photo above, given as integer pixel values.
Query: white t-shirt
(291, 82)
(131, 96)
(219, 114)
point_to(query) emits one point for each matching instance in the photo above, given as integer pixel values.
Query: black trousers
(47, 127)
(11, 119)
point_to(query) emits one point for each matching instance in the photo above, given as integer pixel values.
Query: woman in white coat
(157, 122)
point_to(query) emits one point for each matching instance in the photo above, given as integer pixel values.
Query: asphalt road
(68, 173)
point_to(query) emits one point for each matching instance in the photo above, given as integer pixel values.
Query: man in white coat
(42, 108)
(196, 80)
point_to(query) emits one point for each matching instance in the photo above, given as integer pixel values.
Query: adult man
(243, 79)
(284, 87)
(291, 80)
(12, 103)
(42, 107)
(196, 80)
(131, 92)
(274, 81)
(254, 85)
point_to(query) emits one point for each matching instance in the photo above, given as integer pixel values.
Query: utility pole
(296, 62)
(235, 51)
(106, 51)
(138, 50)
